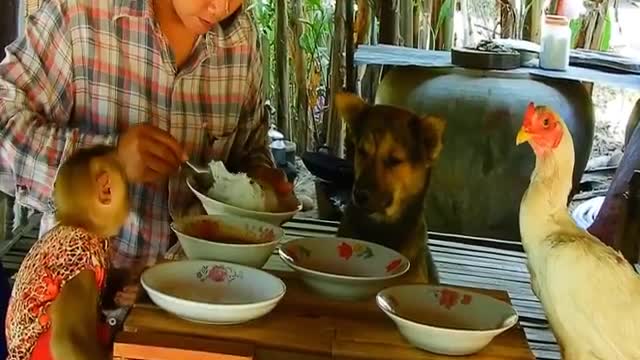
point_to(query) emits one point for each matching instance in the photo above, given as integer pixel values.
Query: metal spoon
(202, 176)
(197, 169)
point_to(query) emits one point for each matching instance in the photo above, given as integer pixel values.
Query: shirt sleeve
(36, 104)
(251, 147)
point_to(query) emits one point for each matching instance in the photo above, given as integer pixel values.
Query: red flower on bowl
(218, 273)
(345, 250)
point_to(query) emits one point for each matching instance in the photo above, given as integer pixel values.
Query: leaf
(605, 39)
(446, 10)
(576, 27)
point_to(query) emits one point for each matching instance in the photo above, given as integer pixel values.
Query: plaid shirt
(81, 70)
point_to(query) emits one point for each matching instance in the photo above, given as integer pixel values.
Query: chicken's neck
(544, 206)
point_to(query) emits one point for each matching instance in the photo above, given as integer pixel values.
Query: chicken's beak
(523, 136)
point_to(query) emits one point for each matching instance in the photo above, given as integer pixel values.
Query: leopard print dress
(56, 258)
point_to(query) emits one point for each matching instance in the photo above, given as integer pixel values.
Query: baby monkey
(54, 308)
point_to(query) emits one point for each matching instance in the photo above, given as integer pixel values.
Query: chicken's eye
(545, 122)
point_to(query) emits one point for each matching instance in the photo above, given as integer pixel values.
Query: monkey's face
(111, 196)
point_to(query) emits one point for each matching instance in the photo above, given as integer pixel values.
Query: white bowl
(212, 292)
(213, 206)
(255, 240)
(444, 320)
(343, 268)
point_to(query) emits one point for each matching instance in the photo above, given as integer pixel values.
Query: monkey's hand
(127, 296)
(74, 321)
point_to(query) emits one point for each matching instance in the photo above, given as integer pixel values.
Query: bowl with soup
(228, 238)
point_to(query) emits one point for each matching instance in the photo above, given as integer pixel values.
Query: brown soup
(215, 232)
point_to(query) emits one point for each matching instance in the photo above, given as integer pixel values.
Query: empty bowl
(343, 268)
(213, 206)
(227, 238)
(212, 292)
(445, 320)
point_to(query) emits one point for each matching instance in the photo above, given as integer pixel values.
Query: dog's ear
(350, 108)
(432, 129)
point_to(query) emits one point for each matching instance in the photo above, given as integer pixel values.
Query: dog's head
(394, 150)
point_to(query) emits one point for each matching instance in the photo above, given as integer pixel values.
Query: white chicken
(589, 292)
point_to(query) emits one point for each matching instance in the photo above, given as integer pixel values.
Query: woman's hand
(148, 153)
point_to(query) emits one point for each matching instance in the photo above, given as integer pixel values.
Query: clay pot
(479, 180)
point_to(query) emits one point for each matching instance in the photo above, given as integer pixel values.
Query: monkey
(54, 310)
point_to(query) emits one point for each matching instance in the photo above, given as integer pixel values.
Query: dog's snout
(361, 197)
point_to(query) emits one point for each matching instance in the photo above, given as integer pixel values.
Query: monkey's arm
(36, 100)
(74, 320)
(251, 147)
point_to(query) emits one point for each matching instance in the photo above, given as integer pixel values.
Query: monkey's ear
(350, 108)
(103, 185)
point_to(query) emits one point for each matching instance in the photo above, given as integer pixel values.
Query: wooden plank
(477, 254)
(161, 346)
(331, 327)
(483, 272)
(540, 336)
(452, 242)
(466, 260)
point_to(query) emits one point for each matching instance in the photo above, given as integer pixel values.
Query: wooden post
(507, 19)
(9, 25)
(302, 100)
(389, 22)
(406, 22)
(282, 70)
(535, 14)
(334, 126)
(350, 80)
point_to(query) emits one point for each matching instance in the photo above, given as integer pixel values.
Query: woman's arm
(36, 104)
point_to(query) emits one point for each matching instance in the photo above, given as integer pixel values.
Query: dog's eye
(392, 161)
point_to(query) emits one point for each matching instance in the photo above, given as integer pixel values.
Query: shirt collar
(229, 33)
(132, 8)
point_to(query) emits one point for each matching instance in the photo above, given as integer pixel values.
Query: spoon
(202, 176)
(197, 169)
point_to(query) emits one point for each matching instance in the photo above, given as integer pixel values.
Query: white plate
(212, 292)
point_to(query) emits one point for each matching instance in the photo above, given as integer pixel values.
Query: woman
(164, 80)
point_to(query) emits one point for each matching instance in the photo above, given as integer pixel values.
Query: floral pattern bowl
(212, 206)
(445, 320)
(343, 268)
(227, 238)
(212, 292)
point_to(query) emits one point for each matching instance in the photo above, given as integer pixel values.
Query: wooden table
(304, 326)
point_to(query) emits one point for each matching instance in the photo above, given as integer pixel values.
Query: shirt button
(22, 189)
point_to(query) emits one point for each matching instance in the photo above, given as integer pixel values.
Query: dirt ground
(612, 108)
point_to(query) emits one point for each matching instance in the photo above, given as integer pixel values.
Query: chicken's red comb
(528, 114)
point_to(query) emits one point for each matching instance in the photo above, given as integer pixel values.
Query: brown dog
(394, 151)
